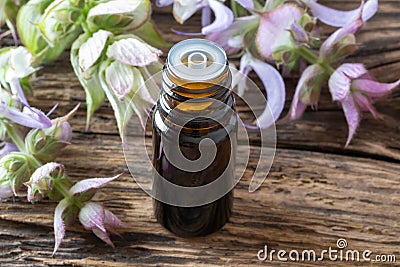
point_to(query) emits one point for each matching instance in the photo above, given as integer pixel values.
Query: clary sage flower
(82, 60)
(273, 84)
(91, 215)
(118, 16)
(339, 18)
(184, 9)
(41, 184)
(100, 220)
(47, 144)
(119, 75)
(355, 89)
(21, 113)
(307, 91)
(122, 79)
(15, 64)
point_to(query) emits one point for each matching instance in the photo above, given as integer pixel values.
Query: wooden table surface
(316, 192)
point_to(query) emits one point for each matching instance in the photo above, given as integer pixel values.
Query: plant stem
(312, 58)
(15, 137)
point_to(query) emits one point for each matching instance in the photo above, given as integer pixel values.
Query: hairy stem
(312, 58)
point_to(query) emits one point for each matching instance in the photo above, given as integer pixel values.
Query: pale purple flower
(123, 79)
(341, 43)
(299, 34)
(339, 18)
(19, 64)
(273, 83)
(101, 221)
(273, 32)
(184, 9)
(59, 225)
(61, 129)
(40, 183)
(232, 38)
(29, 116)
(7, 147)
(81, 187)
(307, 91)
(91, 50)
(88, 184)
(133, 51)
(356, 90)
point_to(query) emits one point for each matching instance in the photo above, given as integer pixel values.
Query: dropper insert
(197, 60)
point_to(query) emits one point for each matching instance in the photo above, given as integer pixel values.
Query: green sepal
(95, 95)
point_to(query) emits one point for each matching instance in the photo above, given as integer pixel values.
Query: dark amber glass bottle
(196, 103)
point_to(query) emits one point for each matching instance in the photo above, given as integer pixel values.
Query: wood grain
(316, 192)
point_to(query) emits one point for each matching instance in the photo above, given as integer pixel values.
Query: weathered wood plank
(316, 191)
(300, 206)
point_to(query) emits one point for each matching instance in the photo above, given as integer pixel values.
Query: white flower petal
(43, 171)
(114, 7)
(184, 9)
(91, 50)
(273, 31)
(223, 17)
(92, 183)
(59, 225)
(340, 80)
(339, 18)
(120, 78)
(19, 64)
(352, 114)
(134, 52)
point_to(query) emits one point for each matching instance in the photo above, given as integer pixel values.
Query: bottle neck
(180, 99)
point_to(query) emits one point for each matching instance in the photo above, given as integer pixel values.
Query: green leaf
(94, 93)
(149, 33)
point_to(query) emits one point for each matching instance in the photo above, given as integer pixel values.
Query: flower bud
(47, 144)
(96, 218)
(119, 15)
(16, 167)
(307, 91)
(58, 21)
(341, 43)
(27, 21)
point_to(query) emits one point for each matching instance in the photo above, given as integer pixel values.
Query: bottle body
(187, 113)
(204, 219)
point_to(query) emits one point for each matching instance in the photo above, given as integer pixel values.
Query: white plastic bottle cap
(196, 60)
